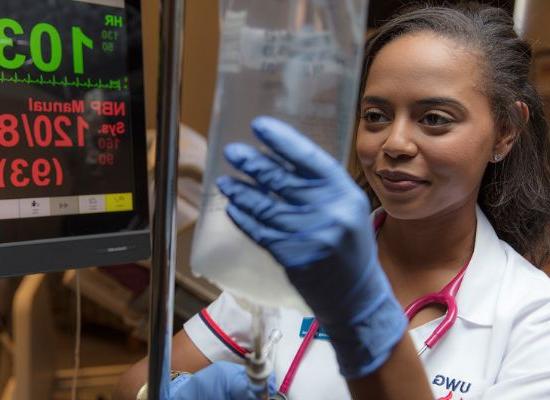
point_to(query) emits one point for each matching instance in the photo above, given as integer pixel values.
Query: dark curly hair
(515, 193)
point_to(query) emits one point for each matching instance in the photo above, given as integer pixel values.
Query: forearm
(401, 377)
(131, 381)
(185, 357)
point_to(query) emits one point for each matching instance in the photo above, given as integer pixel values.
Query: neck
(441, 242)
(422, 256)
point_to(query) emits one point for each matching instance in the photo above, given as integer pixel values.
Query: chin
(419, 209)
(405, 212)
(406, 209)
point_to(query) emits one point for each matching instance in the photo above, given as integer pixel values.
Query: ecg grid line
(112, 84)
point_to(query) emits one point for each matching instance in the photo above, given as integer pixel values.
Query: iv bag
(296, 60)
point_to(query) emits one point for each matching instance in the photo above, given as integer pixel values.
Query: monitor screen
(73, 184)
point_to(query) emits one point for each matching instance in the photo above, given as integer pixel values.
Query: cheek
(367, 148)
(457, 168)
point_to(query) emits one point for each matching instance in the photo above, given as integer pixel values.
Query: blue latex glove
(310, 215)
(220, 381)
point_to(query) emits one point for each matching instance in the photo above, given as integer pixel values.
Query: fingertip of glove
(223, 183)
(235, 153)
(262, 122)
(263, 125)
(233, 212)
(240, 219)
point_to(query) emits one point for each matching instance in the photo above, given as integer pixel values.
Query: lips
(399, 181)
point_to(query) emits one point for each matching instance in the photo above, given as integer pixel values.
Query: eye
(435, 119)
(374, 116)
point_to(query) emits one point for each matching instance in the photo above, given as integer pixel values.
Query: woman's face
(426, 132)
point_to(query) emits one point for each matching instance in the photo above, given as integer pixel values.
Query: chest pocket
(449, 387)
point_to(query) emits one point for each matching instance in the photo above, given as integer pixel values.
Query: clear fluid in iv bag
(296, 60)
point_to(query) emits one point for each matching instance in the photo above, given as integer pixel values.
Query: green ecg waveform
(111, 84)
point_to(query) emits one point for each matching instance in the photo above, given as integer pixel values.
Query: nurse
(453, 150)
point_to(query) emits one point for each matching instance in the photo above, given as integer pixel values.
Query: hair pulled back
(515, 193)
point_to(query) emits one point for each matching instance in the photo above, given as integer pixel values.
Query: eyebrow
(443, 101)
(430, 101)
(375, 100)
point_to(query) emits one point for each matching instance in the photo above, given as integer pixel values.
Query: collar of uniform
(477, 297)
(476, 300)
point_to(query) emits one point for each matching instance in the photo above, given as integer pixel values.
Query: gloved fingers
(259, 233)
(220, 380)
(242, 389)
(273, 176)
(297, 254)
(309, 159)
(237, 382)
(265, 208)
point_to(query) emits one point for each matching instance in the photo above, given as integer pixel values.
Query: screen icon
(91, 204)
(116, 202)
(64, 205)
(30, 208)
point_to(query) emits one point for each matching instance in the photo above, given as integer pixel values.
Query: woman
(453, 145)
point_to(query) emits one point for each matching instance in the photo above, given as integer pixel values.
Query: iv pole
(164, 230)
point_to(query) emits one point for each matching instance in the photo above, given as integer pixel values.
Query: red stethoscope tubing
(445, 296)
(291, 373)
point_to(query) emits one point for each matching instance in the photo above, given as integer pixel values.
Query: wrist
(365, 343)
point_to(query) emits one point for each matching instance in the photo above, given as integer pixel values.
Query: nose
(399, 142)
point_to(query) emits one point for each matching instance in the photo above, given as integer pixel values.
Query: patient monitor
(73, 187)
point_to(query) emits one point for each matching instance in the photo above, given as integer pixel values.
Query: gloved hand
(309, 214)
(220, 381)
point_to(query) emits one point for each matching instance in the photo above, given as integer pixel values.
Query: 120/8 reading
(42, 132)
(20, 173)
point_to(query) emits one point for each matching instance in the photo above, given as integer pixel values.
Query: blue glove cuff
(365, 344)
(178, 382)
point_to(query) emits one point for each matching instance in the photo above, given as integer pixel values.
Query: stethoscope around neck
(445, 297)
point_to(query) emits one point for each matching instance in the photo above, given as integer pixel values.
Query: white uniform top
(499, 347)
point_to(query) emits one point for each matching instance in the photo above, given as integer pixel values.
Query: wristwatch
(142, 394)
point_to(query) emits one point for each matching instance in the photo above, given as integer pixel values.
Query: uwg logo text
(452, 384)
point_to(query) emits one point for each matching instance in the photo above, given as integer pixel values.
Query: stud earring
(497, 157)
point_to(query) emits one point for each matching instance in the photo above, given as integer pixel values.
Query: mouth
(398, 181)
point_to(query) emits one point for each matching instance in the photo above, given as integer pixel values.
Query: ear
(505, 141)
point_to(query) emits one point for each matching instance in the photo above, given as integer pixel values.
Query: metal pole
(164, 229)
